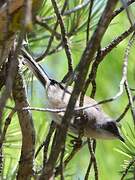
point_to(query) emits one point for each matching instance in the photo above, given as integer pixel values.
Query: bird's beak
(121, 138)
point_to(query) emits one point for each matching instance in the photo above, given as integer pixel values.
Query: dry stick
(127, 168)
(52, 36)
(64, 39)
(82, 71)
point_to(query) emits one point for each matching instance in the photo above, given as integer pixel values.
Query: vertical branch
(82, 70)
(92, 148)
(25, 170)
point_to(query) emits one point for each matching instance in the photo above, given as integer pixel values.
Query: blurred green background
(109, 160)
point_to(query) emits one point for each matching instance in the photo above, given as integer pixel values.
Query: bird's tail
(36, 68)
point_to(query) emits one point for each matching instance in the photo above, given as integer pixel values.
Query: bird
(94, 122)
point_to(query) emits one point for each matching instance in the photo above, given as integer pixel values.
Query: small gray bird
(94, 121)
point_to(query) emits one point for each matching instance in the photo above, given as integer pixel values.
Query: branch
(25, 169)
(92, 148)
(118, 11)
(82, 71)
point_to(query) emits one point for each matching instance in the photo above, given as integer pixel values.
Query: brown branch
(118, 11)
(82, 71)
(25, 170)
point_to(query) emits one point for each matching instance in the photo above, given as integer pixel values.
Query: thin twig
(124, 7)
(45, 53)
(70, 157)
(130, 100)
(88, 21)
(47, 141)
(6, 125)
(70, 11)
(92, 148)
(45, 144)
(64, 37)
(125, 111)
(46, 26)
